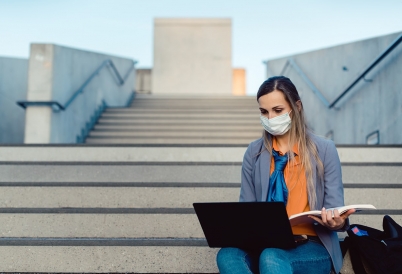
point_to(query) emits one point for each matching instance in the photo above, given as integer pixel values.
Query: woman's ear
(299, 104)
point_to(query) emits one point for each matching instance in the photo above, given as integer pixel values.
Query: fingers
(332, 219)
(318, 220)
(348, 213)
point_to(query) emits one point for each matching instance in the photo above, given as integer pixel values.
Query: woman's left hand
(333, 223)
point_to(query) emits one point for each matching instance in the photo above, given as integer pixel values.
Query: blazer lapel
(265, 168)
(318, 186)
(313, 169)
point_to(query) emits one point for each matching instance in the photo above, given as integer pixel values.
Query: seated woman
(291, 164)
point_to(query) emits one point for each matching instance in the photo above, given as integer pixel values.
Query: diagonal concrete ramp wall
(374, 104)
(55, 74)
(13, 87)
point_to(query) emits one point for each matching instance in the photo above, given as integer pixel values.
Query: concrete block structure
(371, 112)
(192, 56)
(143, 81)
(55, 74)
(13, 87)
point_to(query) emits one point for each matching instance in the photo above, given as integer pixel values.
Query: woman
(291, 165)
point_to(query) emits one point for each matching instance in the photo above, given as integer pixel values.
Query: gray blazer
(255, 180)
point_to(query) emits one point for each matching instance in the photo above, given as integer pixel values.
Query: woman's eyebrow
(279, 106)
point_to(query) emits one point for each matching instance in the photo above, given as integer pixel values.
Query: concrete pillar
(38, 119)
(192, 56)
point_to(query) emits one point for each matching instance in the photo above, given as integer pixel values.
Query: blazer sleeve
(247, 189)
(333, 185)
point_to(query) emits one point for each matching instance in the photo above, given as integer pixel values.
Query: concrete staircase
(127, 208)
(180, 120)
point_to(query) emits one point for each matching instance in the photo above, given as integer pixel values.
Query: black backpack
(378, 251)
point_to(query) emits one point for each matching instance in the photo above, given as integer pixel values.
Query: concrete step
(184, 115)
(160, 197)
(197, 105)
(197, 102)
(178, 153)
(125, 154)
(108, 259)
(166, 140)
(179, 135)
(101, 225)
(193, 110)
(162, 172)
(178, 128)
(124, 225)
(153, 121)
(102, 174)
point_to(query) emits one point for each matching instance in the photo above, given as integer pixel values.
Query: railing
(316, 91)
(368, 69)
(58, 106)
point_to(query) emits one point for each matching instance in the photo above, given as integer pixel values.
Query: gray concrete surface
(124, 225)
(161, 127)
(101, 225)
(370, 106)
(372, 174)
(13, 87)
(171, 173)
(250, 117)
(147, 259)
(143, 80)
(374, 221)
(112, 197)
(177, 122)
(192, 56)
(120, 173)
(179, 135)
(56, 73)
(176, 154)
(160, 197)
(172, 141)
(122, 154)
(158, 111)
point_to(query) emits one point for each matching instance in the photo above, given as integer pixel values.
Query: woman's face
(273, 104)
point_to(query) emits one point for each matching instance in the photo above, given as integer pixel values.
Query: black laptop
(247, 225)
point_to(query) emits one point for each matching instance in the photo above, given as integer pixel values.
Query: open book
(302, 218)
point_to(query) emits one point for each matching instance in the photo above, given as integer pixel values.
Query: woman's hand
(333, 223)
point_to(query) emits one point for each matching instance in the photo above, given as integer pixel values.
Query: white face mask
(278, 125)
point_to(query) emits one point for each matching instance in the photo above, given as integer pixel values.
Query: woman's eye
(263, 112)
(278, 110)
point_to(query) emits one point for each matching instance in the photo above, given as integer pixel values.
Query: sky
(261, 30)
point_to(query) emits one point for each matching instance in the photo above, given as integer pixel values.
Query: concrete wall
(143, 81)
(192, 56)
(368, 107)
(13, 87)
(55, 74)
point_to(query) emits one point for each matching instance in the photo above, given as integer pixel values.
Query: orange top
(295, 178)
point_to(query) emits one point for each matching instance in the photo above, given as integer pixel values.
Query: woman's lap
(310, 257)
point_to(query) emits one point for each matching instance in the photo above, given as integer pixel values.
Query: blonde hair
(298, 133)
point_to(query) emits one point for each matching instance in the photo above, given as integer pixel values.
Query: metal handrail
(368, 69)
(316, 91)
(53, 104)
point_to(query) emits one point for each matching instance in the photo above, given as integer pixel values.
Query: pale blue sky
(261, 29)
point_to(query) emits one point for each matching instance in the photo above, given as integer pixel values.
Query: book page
(302, 218)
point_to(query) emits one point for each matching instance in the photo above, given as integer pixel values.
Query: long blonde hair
(298, 132)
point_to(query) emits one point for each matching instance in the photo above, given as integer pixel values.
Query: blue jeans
(311, 257)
